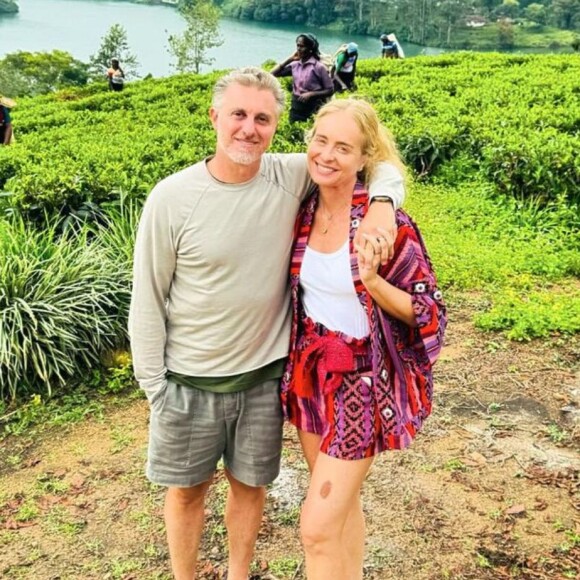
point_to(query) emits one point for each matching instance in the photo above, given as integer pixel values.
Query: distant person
(344, 68)
(116, 76)
(6, 131)
(391, 47)
(364, 339)
(311, 82)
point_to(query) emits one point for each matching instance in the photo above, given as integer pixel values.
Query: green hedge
(517, 116)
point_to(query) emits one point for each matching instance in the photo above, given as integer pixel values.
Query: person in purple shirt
(311, 82)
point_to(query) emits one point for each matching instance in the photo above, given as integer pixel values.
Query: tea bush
(492, 139)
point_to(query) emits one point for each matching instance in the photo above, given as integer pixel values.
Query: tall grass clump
(62, 303)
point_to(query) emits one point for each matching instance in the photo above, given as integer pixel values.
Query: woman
(344, 68)
(311, 82)
(364, 336)
(116, 76)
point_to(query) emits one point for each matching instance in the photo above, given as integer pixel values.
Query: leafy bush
(533, 315)
(62, 302)
(516, 116)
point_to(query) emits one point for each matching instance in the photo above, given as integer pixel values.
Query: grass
(61, 304)
(523, 267)
(525, 36)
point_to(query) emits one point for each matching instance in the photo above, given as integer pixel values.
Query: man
(209, 320)
(5, 120)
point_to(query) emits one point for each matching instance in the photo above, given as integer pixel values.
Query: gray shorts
(191, 430)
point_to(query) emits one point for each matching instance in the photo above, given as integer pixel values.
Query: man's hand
(380, 224)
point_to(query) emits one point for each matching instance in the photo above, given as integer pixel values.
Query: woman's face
(303, 48)
(335, 152)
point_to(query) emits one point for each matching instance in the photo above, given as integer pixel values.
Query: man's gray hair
(250, 76)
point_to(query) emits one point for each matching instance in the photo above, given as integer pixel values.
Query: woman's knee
(316, 531)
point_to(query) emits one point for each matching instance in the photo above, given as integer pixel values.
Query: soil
(489, 490)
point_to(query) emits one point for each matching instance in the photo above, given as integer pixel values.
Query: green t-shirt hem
(232, 383)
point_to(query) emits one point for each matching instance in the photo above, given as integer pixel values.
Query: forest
(452, 23)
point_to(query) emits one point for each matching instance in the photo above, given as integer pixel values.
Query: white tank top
(328, 292)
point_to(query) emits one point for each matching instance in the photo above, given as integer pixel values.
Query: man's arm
(387, 182)
(153, 268)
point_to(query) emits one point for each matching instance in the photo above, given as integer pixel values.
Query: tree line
(33, 73)
(420, 21)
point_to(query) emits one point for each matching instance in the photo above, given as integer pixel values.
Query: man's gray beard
(242, 158)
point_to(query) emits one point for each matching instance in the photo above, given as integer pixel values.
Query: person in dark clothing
(6, 132)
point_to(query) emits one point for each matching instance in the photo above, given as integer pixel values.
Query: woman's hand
(305, 96)
(380, 222)
(369, 259)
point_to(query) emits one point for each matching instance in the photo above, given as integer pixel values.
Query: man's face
(245, 123)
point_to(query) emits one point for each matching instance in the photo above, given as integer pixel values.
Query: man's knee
(252, 493)
(188, 496)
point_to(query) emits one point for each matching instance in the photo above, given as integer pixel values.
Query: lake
(77, 26)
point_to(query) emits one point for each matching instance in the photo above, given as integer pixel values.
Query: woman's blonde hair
(378, 142)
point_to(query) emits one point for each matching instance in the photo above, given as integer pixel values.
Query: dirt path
(491, 489)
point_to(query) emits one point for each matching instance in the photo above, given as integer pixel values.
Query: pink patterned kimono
(364, 396)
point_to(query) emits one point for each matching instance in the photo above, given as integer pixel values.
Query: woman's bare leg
(332, 522)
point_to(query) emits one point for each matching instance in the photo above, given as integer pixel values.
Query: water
(77, 26)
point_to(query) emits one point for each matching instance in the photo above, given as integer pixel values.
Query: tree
(508, 9)
(567, 13)
(505, 34)
(34, 73)
(536, 13)
(450, 13)
(114, 45)
(200, 35)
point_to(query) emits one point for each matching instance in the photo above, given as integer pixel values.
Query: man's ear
(213, 116)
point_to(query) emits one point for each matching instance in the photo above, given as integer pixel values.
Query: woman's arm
(394, 301)
(282, 69)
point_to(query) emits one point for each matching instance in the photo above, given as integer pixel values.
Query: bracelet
(381, 199)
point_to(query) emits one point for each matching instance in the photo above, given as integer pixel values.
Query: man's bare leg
(244, 509)
(184, 518)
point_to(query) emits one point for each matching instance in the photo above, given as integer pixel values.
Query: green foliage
(8, 7)
(201, 34)
(113, 45)
(34, 73)
(61, 304)
(518, 117)
(533, 315)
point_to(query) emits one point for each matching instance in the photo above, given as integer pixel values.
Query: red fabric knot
(330, 357)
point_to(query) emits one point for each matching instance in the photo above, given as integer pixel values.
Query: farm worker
(311, 82)
(210, 321)
(390, 47)
(358, 380)
(6, 130)
(116, 76)
(345, 67)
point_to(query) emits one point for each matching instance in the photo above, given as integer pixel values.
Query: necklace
(329, 216)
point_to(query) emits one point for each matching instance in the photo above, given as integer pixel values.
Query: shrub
(62, 302)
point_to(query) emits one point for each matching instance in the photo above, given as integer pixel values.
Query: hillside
(491, 488)
(493, 138)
